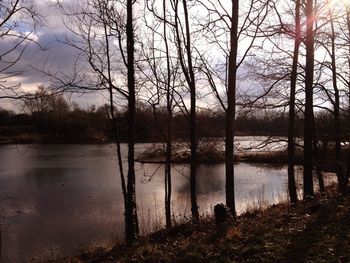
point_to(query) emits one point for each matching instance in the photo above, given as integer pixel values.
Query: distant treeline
(68, 123)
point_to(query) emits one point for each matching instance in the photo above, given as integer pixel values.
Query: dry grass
(314, 231)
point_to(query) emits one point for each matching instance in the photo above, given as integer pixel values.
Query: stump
(222, 213)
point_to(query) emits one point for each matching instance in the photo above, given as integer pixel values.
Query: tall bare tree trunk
(187, 68)
(193, 135)
(291, 122)
(131, 221)
(115, 129)
(336, 113)
(309, 114)
(168, 186)
(231, 110)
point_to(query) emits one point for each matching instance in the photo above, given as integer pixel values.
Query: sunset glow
(338, 3)
(336, 7)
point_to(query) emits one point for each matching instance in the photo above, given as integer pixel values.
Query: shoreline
(276, 234)
(261, 157)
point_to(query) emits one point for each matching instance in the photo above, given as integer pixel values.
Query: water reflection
(58, 199)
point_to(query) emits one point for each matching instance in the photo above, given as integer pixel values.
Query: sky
(48, 53)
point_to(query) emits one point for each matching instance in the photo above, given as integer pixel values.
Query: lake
(57, 200)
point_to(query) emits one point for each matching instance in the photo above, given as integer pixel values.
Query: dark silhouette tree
(231, 109)
(131, 222)
(184, 47)
(93, 25)
(224, 32)
(336, 101)
(291, 119)
(309, 112)
(163, 78)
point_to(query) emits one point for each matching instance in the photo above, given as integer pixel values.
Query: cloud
(44, 51)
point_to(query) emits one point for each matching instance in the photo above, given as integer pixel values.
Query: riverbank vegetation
(311, 231)
(54, 119)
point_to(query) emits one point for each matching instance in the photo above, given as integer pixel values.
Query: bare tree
(132, 228)
(309, 114)
(291, 120)
(224, 33)
(184, 47)
(94, 27)
(336, 102)
(163, 78)
(231, 108)
(331, 81)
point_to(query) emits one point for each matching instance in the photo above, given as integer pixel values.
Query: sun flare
(334, 3)
(336, 8)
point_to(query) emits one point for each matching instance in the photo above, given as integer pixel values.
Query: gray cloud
(47, 53)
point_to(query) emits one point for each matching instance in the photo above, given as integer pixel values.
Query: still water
(56, 200)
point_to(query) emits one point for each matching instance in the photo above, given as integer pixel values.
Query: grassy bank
(314, 231)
